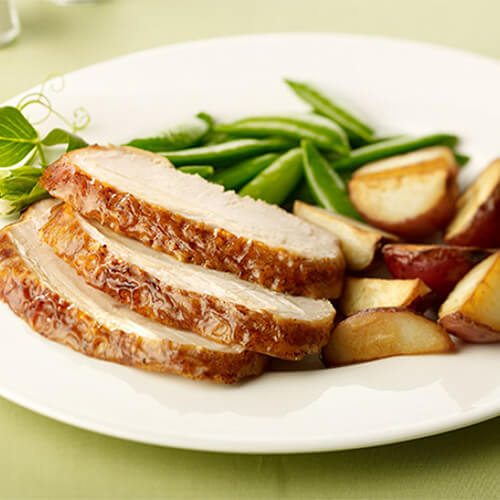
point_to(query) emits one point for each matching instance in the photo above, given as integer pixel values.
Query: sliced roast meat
(140, 195)
(217, 305)
(57, 303)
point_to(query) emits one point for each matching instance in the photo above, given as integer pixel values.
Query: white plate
(400, 86)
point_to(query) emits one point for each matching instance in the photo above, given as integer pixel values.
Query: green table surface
(41, 458)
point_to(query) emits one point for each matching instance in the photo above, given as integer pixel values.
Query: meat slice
(217, 305)
(57, 303)
(140, 195)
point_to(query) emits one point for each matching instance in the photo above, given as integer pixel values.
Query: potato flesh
(473, 198)
(381, 333)
(359, 241)
(393, 199)
(368, 293)
(477, 295)
(434, 156)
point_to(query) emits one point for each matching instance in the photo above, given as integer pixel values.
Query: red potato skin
(469, 330)
(484, 228)
(422, 303)
(439, 267)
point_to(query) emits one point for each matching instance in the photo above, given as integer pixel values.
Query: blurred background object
(69, 2)
(9, 22)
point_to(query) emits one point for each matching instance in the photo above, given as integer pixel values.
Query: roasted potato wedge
(384, 332)
(472, 310)
(440, 267)
(476, 222)
(411, 195)
(369, 293)
(359, 241)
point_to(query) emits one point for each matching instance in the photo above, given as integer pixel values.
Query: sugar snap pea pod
(238, 175)
(358, 132)
(323, 132)
(204, 171)
(346, 176)
(228, 152)
(206, 118)
(303, 193)
(213, 138)
(328, 189)
(179, 136)
(276, 182)
(462, 159)
(210, 137)
(392, 147)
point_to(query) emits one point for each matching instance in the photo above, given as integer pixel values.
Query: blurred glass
(69, 2)
(9, 22)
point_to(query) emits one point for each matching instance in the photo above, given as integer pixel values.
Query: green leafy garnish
(18, 138)
(55, 83)
(20, 144)
(20, 188)
(180, 136)
(60, 136)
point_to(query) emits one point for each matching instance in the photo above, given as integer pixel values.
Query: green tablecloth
(40, 458)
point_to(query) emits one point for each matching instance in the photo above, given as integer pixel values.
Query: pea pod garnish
(326, 186)
(392, 147)
(228, 152)
(359, 133)
(275, 183)
(323, 132)
(238, 175)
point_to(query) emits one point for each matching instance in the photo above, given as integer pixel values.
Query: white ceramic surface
(401, 87)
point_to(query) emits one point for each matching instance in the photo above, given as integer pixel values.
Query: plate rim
(273, 34)
(265, 447)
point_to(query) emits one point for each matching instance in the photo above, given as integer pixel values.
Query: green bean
(213, 138)
(236, 176)
(328, 189)
(462, 159)
(358, 132)
(208, 119)
(210, 137)
(322, 131)
(392, 147)
(204, 171)
(276, 182)
(346, 176)
(303, 193)
(228, 152)
(179, 136)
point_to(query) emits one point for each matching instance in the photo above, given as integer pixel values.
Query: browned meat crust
(54, 318)
(212, 317)
(192, 241)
